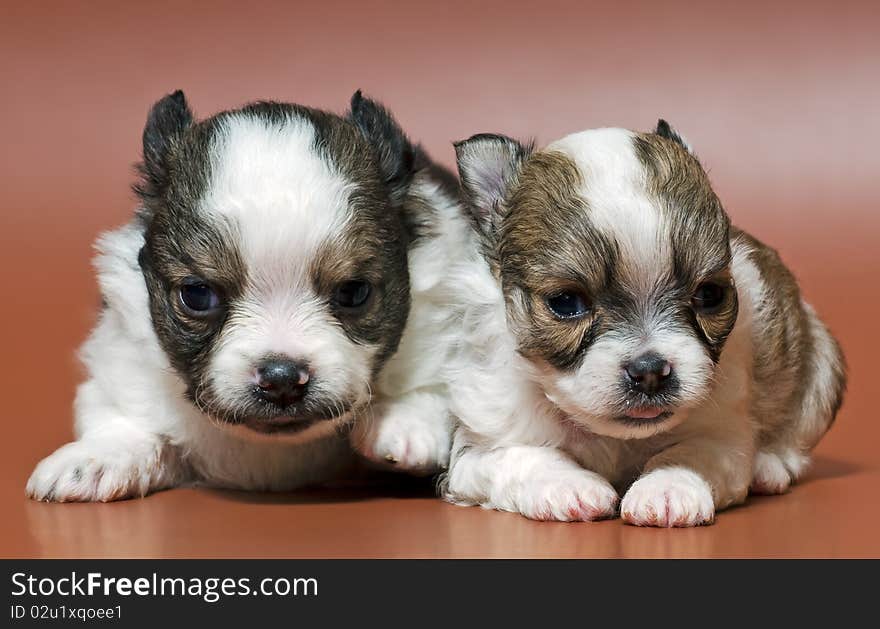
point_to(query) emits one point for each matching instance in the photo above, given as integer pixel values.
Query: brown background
(779, 99)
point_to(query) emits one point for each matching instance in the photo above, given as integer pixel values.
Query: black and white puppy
(275, 288)
(622, 337)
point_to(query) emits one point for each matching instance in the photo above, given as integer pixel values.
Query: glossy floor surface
(780, 102)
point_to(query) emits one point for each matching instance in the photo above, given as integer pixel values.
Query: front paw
(669, 497)
(403, 442)
(86, 471)
(573, 496)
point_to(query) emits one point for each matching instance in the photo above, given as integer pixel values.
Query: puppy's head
(275, 257)
(613, 253)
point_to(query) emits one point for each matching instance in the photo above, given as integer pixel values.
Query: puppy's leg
(114, 458)
(784, 453)
(685, 484)
(776, 469)
(109, 465)
(541, 483)
(411, 433)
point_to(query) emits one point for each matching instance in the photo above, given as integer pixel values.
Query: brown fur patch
(699, 225)
(548, 245)
(547, 234)
(785, 370)
(699, 229)
(375, 253)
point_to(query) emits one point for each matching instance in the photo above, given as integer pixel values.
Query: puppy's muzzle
(649, 373)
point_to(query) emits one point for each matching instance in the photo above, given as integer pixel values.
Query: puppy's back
(799, 371)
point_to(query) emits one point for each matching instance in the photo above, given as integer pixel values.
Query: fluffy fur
(274, 208)
(623, 230)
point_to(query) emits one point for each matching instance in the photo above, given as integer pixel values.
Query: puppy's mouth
(292, 421)
(256, 416)
(279, 425)
(645, 415)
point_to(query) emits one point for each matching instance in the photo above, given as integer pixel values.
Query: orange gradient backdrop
(780, 101)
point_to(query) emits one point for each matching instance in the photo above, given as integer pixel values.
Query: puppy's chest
(619, 461)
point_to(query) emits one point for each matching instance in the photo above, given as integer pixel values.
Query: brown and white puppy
(276, 286)
(621, 336)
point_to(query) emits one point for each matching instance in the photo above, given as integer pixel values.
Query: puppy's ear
(167, 119)
(665, 130)
(488, 165)
(395, 152)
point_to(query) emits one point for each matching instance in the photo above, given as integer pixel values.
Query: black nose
(649, 373)
(281, 381)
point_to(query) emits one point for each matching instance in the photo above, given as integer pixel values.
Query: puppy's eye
(708, 297)
(199, 299)
(568, 304)
(352, 294)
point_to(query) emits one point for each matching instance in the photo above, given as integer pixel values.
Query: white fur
(541, 483)
(770, 475)
(614, 187)
(410, 432)
(135, 430)
(284, 198)
(586, 393)
(817, 407)
(409, 425)
(674, 496)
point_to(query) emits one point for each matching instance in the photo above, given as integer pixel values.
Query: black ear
(167, 119)
(395, 152)
(488, 165)
(665, 130)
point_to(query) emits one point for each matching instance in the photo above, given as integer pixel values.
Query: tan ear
(488, 165)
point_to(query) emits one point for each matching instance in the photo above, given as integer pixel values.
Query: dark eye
(567, 304)
(352, 294)
(198, 297)
(708, 297)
